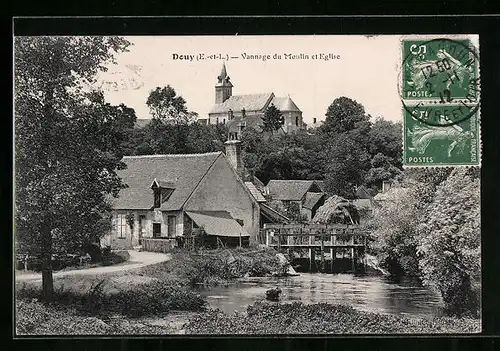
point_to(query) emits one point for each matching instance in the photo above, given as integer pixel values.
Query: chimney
(233, 154)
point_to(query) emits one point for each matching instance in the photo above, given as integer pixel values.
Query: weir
(320, 242)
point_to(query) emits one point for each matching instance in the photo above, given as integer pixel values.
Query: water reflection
(368, 293)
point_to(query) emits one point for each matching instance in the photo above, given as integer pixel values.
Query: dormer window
(161, 191)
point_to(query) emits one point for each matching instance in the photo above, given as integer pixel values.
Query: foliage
(163, 138)
(282, 156)
(36, 318)
(66, 144)
(395, 239)
(212, 267)
(164, 105)
(449, 244)
(344, 166)
(320, 318)
(343, 114)
(109, 258)
(272, 120)
(105, 296)
(431, 230)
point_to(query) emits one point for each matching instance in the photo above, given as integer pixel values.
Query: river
(368, 293)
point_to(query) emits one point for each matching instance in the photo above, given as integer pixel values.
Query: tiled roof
(312, 199)
(291, 190)
(186, 171)
(218, 223)
(255, 192)
(285, 104)
(253, 102)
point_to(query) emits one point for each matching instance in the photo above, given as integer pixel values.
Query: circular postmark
(439, 80)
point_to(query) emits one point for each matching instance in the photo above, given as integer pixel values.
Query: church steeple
(223, 88)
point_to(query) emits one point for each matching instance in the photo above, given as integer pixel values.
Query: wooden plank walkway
(314, 237)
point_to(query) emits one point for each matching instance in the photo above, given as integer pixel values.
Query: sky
(366, 70)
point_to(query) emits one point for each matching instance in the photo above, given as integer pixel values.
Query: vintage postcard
(256, 185)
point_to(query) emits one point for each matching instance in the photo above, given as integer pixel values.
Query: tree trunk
(47, 278)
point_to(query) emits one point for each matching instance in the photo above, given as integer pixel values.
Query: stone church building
(242, 111)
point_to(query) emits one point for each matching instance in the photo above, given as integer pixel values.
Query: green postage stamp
(440, 92)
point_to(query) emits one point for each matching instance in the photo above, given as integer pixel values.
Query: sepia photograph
(246, 185)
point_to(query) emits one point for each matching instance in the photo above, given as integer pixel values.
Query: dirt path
(137, 260)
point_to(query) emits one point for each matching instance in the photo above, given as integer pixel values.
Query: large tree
(344, 114)
(66, 145)
(272, 120)
(345, 166)
(165, 105)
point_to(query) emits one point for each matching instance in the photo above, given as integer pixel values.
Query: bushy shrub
(154, 298)
(450, 242)
(109, 258)
(212, 267)
(151, 298)
(321, 318)
(36, 318)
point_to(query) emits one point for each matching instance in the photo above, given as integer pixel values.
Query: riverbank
(35, 318)
(321, 318)
(164, 299)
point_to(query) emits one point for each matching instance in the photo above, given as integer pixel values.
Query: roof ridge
(174, 155)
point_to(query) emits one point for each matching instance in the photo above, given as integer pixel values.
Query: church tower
(223, 88)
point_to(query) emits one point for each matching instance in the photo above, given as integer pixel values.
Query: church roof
(285, 104)
(252, 102)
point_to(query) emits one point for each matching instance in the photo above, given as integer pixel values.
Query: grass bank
(87, 304)
(214, 267)
(321, 318)
(35, 318)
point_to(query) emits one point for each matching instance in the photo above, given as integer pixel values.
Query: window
(156, 230)
(157, 200)
(297, 121)
(121, 225)
(230, 114)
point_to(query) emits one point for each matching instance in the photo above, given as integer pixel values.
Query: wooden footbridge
(325, 241)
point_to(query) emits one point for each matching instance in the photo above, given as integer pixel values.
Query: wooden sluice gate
(336, 244)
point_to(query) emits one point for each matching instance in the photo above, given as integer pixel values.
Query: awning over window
(218, 223)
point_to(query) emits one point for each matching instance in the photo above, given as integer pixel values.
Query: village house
(244, 111)
(169, 195)
(173, 196)
(307, 194)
